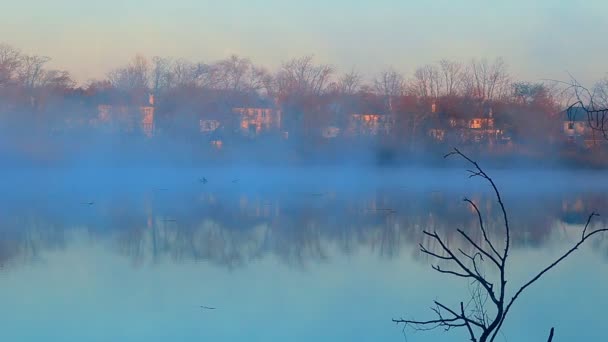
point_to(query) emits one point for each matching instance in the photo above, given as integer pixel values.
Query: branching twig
(479, 325)
(483, 230)
(597, 118)
(584, 237)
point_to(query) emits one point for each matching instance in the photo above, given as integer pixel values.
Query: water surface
(281, 255)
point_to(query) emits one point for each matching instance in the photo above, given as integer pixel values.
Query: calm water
(295, 255)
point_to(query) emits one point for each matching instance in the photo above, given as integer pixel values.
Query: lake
(283, 255)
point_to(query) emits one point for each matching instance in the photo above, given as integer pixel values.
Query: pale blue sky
(538, 39)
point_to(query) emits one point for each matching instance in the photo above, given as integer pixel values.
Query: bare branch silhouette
(482, 322)
(586, 100)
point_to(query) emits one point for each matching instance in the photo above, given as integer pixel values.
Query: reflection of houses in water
(211, 128)
(330, 132)
(207, 126)
(370, 124)
(437, 134)
(255, 121)
(128, 118)
(231, 229)
(217, 143)
(574, 211)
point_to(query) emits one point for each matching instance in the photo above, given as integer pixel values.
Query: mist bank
(28, 183)
(95, 150)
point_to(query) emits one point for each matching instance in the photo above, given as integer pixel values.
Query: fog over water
(281, 253)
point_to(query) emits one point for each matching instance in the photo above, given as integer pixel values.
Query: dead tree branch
(597, 114)
(483, 322)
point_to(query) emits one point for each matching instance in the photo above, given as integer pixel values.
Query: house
(481, 123)
(254, 121)
(481, 128)
(127, 117)
(477, 126)
(577, 128)
(370, 124)
(465, 123)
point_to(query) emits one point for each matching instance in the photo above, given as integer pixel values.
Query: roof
(575, 114)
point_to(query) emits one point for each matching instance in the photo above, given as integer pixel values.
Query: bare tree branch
(483, 230)
(551, 335)
(584, 237)
(477, 321)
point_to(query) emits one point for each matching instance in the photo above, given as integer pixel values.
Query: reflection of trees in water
(24, 238)
(533, 221)
(233, 230)
(600, 243)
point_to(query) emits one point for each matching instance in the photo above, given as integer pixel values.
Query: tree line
(440, 96)
(480, 78)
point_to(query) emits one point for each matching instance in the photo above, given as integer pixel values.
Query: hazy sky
(538, 39)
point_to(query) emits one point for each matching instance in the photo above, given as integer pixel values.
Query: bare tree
(134, 76)
(257, 79)
(31, 71)
(10, 63)
(58, 79)
(389, 84)
(526, 93)
(206, 75)
(232, 72)
(481, 320)
(427, 82)
(452, 74)
(350, 82)
(486, 80)
(600, 89)
(160, 77)
(303, 76)
(239, 74)
(446, 78)
(183, 73)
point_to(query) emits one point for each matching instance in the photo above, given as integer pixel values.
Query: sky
(538, 39)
